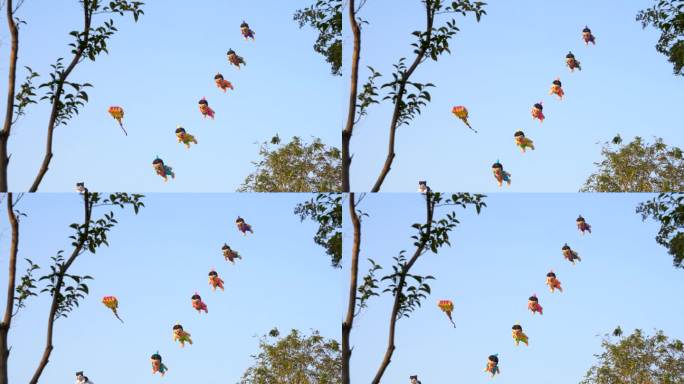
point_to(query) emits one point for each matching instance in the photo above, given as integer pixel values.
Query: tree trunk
(351, 115)
(11, 84)
(353, 284)
(11, 278)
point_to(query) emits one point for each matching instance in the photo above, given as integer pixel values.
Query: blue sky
(498, 69)
(497, 260)
(156, 261)
(157, 70)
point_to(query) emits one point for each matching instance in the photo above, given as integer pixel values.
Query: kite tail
(468, 125)
(122, 127)
(452, 320)
(117, 316)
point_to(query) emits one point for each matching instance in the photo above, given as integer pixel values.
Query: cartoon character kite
(493, 365)
(553, 282)
(533, 305)
(215, 281)
(523, 142)
(413, 379)
(229, 254)
(582, 225)
(447, 306)
(234, 59)
(81, 188)
(246, 32)
(112, 303)
(204, 108)
(162, 169)
(222, 83)
(587, 36)
(157, 365)
(569, 254)
(198, 304)
(500, 175)
(243, 226)
(572, 62)
(423, 187)
(118, 114)
(181, 336)
(537, 112)
(184, 137)
(557, 89)
(462, 113)
(519, 335)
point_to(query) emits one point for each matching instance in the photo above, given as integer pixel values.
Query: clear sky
(158, 70)
(498, 69)
(497, 260)
(156, 262)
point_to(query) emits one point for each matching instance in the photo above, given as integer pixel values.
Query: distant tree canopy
(295, 167)
(295, 358)
(638, 167)
(326, 17)
(668, 17)
(668, 209)
(638, 359)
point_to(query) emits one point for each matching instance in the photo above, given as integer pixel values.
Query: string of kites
(184, 137)
(180, 335)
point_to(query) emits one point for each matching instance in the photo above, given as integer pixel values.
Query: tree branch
(11, 87)
(7, 319)
(351, 114)
(349, 319)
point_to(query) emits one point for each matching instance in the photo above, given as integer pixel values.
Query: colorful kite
(163, 170)
(533, 305)
(242, 226)
(537, 112)
(184, 137)
(557, 89)
(234, 59)
(157, 365)
(462, 113)
(80, 187)
(198, 304)
(569, 254)
(500, 175)
(246, 32)
(582, 225)
(587, 36)
(553, 282)
(112, 303)
(493, 364)
(180, 335)
(215, 281)
(519, 335)
(447, 306)
(572, 62)
(423, 187)
(118, 114)
(229, 254)
(523, 142)
(204, 108)
(222, 83)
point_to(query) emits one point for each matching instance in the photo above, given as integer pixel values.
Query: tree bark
(353, 284)
(11, 86)
(351, 115)
(7, 318)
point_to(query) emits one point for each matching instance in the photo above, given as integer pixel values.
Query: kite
(447, 306)
(157, 365)
(180, 335)
(229, 254)
(533, 305)
(553, 282)
(198, 304)
(557, 89)
(587, 36)
(222, 83)
(118, 114)
(493, 364)
(80, 187)
(569, 254)
(246, 32)
(204, 108)
(234, 59)
(184, 137)
(242, 226)
(572, 63)
(422, 187)
(462, 113)
(414, 379)
(519, 335)
(582, 225)
(537, 112)
(523, 142)
(500, 175)
(215, 281)
(163, 170)
(82, 379)
(112, 303)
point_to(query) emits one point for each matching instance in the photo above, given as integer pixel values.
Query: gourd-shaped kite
(569, 254)
(582, 225)
(229, 254)
(204, 108)
(447, 306)
(243, 226)
(423, 187)
(500, 175)
(234, 59)
(462, 113)
(587, 36)
(246, 32)
(118, 114)
(572, 62)
(523, 142)
(112, 303)
(537, 112)
(184, 137)
(162, 169)
(157, 365)
(222, 83)
(181, 336)
(198, 304)
(557, 89)
(533, 305)
(493, 365)
(553, 282)
(215, 281)
(519, 335)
